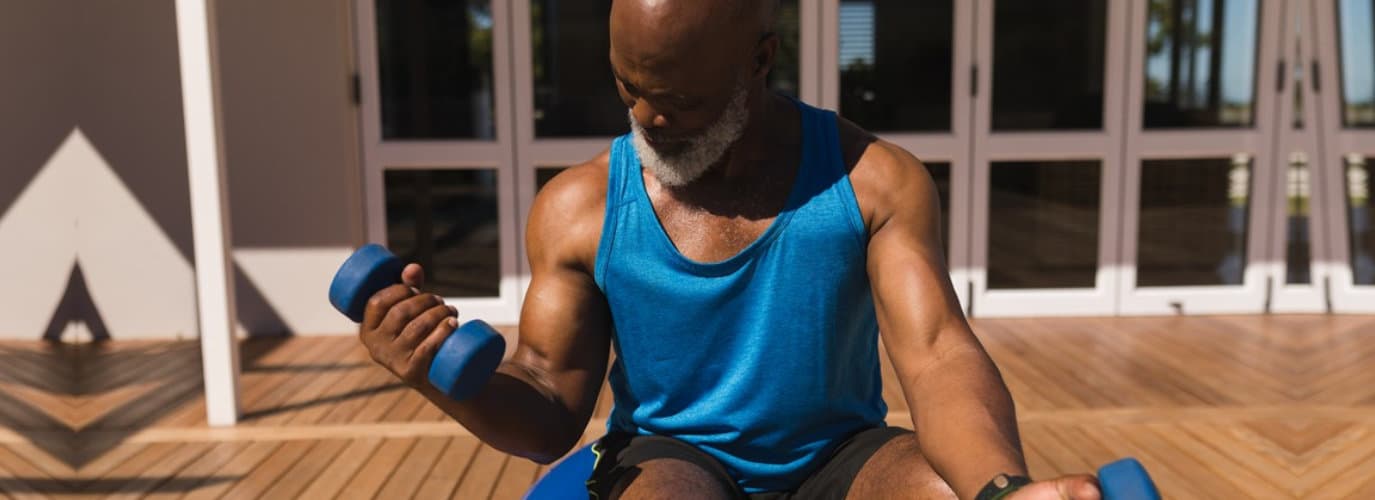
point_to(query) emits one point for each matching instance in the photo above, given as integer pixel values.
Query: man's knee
(668, 478)
(899, 470)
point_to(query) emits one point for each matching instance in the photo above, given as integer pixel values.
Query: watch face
(1000, 481)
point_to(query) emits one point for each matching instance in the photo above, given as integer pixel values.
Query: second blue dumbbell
(466, 360)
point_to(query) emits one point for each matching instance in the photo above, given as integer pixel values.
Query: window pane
(1356, 20)
(1048, 64)
(1043, 224)
(940, 173)
(1298, 249)
(1193, 222)
(435, 69)
(1360, 219)
(895, 63)
(545, 174)
(447, 221)
(783, 77)
(575, 93)
(1201, 63)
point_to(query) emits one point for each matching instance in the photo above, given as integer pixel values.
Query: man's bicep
(564, 337)
(919, 314)
(565, 321)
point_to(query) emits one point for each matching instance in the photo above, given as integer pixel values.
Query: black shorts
(618, 453)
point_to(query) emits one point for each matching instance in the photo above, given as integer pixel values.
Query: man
(741, 251)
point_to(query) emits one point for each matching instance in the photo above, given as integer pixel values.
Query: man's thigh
(898, 469)
(652, 467)
(883, 462)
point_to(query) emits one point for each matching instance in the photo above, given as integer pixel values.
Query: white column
(209, 211)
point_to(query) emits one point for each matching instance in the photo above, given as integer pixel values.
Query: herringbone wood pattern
(1216, 407)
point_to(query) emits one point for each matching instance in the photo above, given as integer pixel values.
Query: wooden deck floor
(1216, 407)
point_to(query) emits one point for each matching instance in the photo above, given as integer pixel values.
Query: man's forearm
(514, 413)
(965, 421)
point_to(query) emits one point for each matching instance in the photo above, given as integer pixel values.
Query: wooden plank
(41, 459)
(288, 384)
(233, 471)
(316, 394)
(413, 470)
(450, 468)
(279, 386)
(328, 484)
(24, 481)
(366, 483)
(482, 474)
(160, 472)
(305, 470)
(376, 380)
(128, 470)
(108, 460)
(351, 385)
(267, 472)
(251, 388)
(515, 479)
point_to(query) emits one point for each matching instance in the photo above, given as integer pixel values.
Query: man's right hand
(403, 327)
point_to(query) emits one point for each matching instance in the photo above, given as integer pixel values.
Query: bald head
(677, 24)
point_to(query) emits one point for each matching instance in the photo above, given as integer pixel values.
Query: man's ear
(764, 54)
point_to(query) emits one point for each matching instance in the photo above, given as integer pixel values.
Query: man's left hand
(1076, 487)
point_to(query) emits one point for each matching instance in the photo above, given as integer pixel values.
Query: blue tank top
(766, 360)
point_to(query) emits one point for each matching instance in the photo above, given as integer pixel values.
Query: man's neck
(770, 135)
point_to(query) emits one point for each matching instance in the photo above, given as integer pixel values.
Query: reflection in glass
(895, 63)
(1193, 222)
(575, 92)
(1048, 64)
(940, 173)
(446, 220)
(1360, 219)
(1298, 248)
(1356, 23)
(1043, 224)
(1201, 63)
(434, 62)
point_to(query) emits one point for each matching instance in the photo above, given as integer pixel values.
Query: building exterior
(1095, 157)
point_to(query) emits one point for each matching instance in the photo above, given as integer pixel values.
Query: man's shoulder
(566, 216)
(885, 176)
(575, 190)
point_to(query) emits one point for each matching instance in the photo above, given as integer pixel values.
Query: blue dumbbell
(1126, 479)
(466, 360)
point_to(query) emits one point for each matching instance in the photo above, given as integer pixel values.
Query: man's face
(687, 96)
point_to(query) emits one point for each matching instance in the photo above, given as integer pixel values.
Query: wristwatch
(1001, 486)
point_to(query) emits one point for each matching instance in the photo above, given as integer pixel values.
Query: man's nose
(649, 117)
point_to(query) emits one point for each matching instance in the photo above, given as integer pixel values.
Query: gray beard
(701, 152)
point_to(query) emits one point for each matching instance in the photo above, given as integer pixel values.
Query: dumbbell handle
(464, 362)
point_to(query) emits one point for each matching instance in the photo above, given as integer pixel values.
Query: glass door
(900, 69)
(438, 147)
(1047, 131)
(1199, 156)
(1345, 79)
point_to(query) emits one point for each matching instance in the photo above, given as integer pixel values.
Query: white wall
(95, 232)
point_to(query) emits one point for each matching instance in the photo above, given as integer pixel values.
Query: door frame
(1102, 145)
(1338, 142)
(1292, 147)
(1255, 143)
